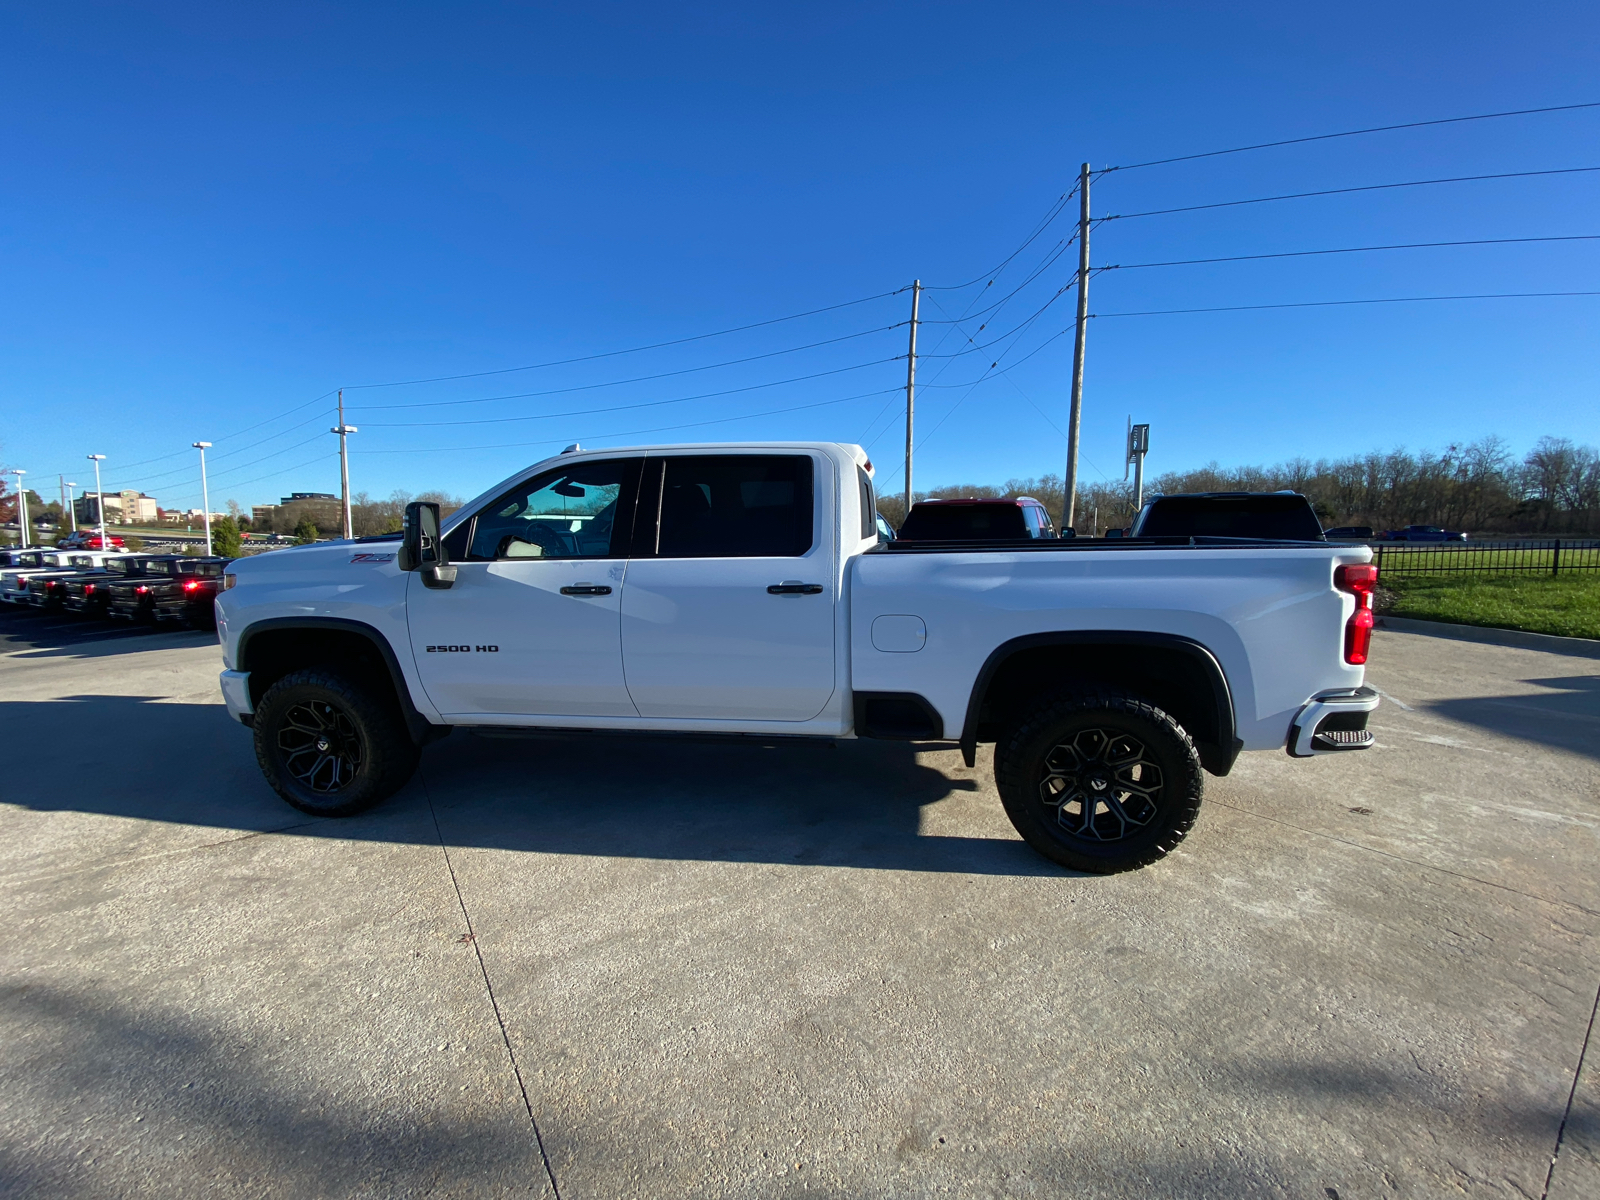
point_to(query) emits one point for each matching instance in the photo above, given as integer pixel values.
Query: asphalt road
(607, 967)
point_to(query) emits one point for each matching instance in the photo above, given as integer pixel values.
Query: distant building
(88, 505)
(137, 508)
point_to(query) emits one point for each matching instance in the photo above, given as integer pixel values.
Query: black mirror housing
(421, 547)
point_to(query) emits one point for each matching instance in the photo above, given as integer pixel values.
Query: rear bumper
(1332, 722)
(236, 695)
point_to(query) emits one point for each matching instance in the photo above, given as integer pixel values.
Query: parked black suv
(1282, 516)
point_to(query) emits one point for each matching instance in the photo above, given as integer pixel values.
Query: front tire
(1101, 782)
(329, 746)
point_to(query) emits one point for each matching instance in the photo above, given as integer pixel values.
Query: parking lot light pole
(99, 498)
(205, 494)
(22, 507)
(343, 431)
(72, 504)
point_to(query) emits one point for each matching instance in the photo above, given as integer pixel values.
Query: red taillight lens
(141, 589)
(1359, 579)
(190, 585)
(88, 588)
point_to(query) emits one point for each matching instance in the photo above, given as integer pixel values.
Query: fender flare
(1218, 757)
(421, 729)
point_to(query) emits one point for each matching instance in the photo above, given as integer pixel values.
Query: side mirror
(1111, 533)
(421, 548)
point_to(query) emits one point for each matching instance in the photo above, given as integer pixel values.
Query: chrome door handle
(586, 589)
(791, 588)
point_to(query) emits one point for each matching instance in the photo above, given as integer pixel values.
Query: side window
(735, 506)
(571, 512)
(869, 505)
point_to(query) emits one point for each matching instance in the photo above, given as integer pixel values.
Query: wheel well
(1180, 677)
(273, 653)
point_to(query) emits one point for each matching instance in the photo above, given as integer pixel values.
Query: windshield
(158, 568)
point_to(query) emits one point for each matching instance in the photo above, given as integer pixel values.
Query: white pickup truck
(745, 590)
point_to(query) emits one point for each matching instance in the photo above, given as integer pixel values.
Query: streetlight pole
(344, 468)
(72, 504)
(100, 499)
(22, 507)
(205, 493)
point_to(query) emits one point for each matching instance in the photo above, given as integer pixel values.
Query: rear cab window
(731, 506)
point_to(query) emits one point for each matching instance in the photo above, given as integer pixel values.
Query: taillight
(88, 589)
(141, 589)
(1359, 579)
(190, 585)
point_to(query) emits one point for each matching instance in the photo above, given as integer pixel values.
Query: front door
(531, 626)
(728, 608)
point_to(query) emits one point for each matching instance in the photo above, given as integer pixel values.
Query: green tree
(225, 538)
(306, 531)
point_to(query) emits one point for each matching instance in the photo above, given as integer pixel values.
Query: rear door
(728, 608)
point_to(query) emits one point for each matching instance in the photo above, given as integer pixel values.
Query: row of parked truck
(114, 585)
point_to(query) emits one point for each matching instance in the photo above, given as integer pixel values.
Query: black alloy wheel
(1100, 782)
(320, 745)
(332, 746)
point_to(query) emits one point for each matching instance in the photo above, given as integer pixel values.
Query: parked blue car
(1423, 533)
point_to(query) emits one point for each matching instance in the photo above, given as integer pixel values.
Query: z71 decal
(358, 558)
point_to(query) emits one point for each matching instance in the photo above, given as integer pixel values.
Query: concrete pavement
(621, 967)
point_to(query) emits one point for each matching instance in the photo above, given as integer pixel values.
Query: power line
(699, 337)
(589, 387)
(1163, 312)
(1189, 262)
(634, 432)
(1371, 187)
(1322, 137)
(1045, 223)
(624, 407)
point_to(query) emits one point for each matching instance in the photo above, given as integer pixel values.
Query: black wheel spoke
(1101, 784)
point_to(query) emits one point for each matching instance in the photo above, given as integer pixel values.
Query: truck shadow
(34, 633)
(1566, 716)
(850, 804)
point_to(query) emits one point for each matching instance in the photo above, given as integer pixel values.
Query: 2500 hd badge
(463, 649)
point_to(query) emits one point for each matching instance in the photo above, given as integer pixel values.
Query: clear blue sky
(211, 215)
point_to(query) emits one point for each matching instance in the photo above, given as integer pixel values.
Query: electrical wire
(635, 432)
(1322, 137)
(643, 404)
(699, 337)
(1164, 312)
(1189, 262)
(1371, 187)
(1049, 219)
(589, 387)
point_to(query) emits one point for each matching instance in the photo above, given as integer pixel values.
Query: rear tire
(1100, 782)
(329, 746)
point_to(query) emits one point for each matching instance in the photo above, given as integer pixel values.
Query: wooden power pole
(1070, 504)
(911, 386)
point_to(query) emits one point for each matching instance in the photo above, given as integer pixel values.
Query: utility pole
(205, 493)
(344, 467)
(911, 386)
(100, 499)
(72, 502)
(1070, 504)
(22, 507)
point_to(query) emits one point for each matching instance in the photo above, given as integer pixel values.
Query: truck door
(531, 626)
(728, 607)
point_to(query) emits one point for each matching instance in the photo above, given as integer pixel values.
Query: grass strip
(1567, 605)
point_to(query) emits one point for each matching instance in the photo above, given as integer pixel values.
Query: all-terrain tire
(330, 746)
(1100, 781)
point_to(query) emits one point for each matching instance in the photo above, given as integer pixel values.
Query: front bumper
(1332, 722)
(236, 695)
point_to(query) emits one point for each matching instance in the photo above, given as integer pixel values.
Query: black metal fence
(1558, 556)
